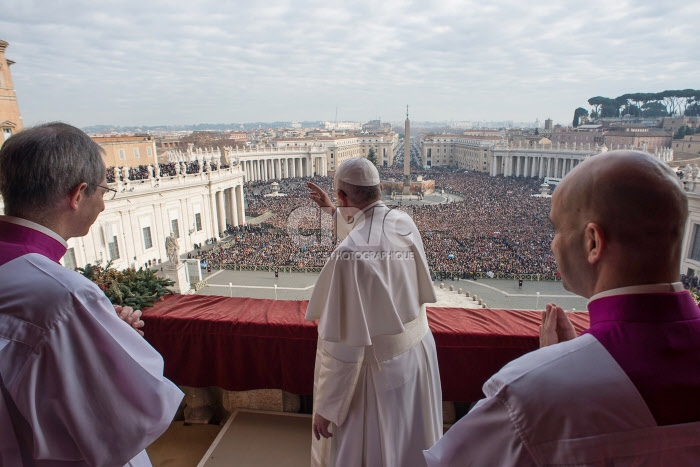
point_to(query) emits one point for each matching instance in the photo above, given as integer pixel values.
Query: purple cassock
(18, 240)
(654, 339)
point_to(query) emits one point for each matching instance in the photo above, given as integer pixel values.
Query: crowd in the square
(498, 227)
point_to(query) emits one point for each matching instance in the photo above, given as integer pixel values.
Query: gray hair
(360, 195)
(42, 164)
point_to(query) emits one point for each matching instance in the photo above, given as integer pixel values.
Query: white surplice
(80, 386)
(567, 404)
(376, 374)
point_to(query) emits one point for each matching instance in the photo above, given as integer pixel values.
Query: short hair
(360, 194)
(42, 164)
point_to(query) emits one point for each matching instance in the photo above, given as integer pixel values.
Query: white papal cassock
(376, 375)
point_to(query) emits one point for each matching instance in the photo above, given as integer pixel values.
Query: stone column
(240, 205)
(229, 206)
(278, 172)
(234, 206)
(220, 213)
(213, 216)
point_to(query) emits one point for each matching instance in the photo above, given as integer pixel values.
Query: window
(7, 132)
(69, 259)
(113, 247)
(175, 228)
(136, 153)
(147, 242)
(198, 221)
(695, 249)
(149, 151)
(122, 154)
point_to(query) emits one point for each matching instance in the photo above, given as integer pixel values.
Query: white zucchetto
(358, 171)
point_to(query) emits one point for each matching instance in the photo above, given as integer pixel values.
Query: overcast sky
(181, 62)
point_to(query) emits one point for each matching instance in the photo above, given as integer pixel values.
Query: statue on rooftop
(172, 249)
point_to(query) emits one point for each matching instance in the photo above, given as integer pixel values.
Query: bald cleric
(626, 391)
(377, 394)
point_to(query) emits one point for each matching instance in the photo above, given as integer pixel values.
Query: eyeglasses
(109, 193)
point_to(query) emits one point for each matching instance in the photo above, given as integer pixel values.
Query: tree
(596, 103)
(605, 107)
(684, 131)
(578, 113)
(654, 109)
(372, 157)
(693, 110)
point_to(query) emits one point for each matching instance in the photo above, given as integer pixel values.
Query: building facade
(131, 231)
(279, 162)
(642, 138)
(673, 124)
(127, 151)
(469, 152)
(522, 159)
(688, 146)
(338, 148)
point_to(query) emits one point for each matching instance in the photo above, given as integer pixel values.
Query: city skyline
(165, 63)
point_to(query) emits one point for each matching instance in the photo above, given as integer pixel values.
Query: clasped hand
(131, 317)
(556, 326)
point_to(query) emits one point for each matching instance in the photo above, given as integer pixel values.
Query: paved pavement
(496, 293)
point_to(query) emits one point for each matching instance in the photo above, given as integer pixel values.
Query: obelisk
(407, 156)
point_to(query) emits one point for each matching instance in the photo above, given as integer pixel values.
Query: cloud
(147, 63)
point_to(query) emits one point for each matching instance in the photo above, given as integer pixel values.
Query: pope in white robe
(376, 376)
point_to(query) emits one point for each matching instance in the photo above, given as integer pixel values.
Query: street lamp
(230, 289)
(537, 305)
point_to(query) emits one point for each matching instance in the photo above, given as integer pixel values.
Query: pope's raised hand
(321, 198)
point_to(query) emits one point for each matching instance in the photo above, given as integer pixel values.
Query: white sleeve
(339, 368)
(485, 436)
(94, 389)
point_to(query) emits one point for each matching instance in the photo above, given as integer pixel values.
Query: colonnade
(280, 167)
(227, 208)
(534, 166)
